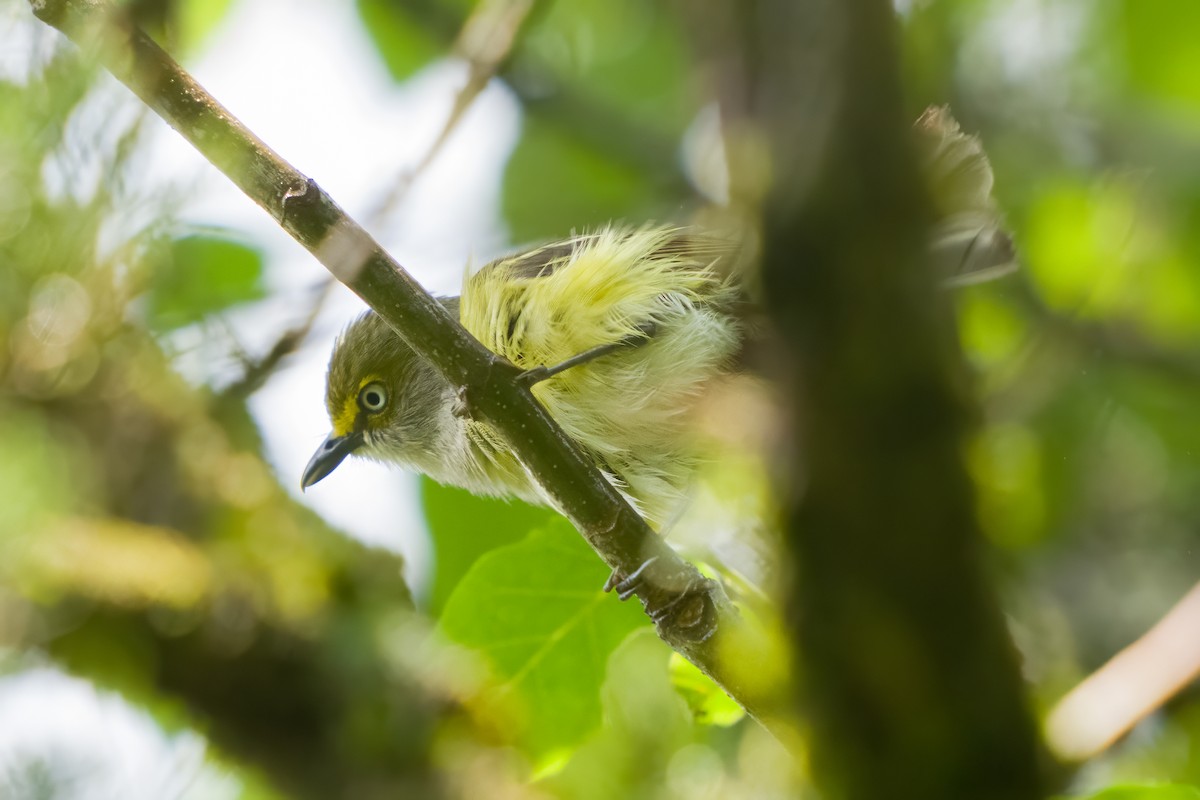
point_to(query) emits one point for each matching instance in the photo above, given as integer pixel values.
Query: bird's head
(383, 399)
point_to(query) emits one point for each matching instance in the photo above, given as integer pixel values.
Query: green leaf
(628, 56)
(196, 19)
(410, 35)
(555, 183)
(464, 527)
(708, 702)
(535, 610)
(202, 275)
(609, 97)
(1163, 791)
(645, 724)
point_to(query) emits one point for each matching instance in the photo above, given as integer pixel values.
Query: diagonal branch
(704, 627)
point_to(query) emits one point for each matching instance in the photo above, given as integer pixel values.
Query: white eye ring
(373, 398)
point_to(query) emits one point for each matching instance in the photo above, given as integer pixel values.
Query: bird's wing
(546, 305)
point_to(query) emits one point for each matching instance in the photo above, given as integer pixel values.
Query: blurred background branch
(1134, 683)
(911, 685)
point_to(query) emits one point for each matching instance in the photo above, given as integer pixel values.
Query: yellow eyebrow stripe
(344, 421)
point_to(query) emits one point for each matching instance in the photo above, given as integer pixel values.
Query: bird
(625, 328)
(622, 331)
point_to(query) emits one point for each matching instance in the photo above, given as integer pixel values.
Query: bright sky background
(303, 75)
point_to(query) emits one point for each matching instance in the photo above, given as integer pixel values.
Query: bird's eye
(373, 398)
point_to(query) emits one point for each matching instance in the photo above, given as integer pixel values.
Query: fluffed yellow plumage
(656, 295)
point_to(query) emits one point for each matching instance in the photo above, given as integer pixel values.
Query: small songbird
(627, 326)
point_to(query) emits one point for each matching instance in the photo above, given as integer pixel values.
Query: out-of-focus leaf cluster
(607, 95)
(144, 541)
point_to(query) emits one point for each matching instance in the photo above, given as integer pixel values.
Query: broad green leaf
(464, 527)
(535, 610)
(202, 275)
(1163, 791)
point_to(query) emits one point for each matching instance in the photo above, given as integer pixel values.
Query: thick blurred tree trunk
(910, 683)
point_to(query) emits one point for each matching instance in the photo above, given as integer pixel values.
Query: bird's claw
(687, 608)
(626, 587)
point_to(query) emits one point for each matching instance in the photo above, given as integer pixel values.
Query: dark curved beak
(332, 452)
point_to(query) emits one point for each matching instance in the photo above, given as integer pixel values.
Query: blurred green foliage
(1157, 792)
(202, 275)
(147, 545)
(408, 36)
(623, 68)
(144, 541)
(556, 182)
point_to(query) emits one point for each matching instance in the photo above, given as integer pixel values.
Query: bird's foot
(627, 586)
(676, 603)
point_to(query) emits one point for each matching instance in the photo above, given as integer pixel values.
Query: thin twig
(703, 625)
(255, 371)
